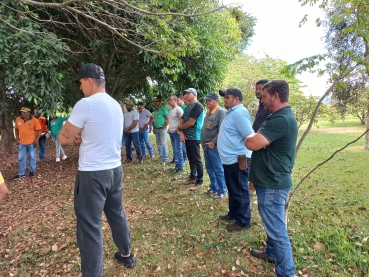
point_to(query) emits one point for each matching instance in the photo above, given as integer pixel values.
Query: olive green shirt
(272, 167)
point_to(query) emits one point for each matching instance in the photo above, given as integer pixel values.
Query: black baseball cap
(232, 91)
(139, 103)
(212, 95)
(90, 70)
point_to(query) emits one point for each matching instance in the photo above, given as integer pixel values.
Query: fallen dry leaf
(44, 250)
(319, 246)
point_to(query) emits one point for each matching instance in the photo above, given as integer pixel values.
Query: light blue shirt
(235, 127)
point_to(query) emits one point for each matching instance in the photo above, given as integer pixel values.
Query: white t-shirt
(101, 120)
(128, 120)
(174, 118)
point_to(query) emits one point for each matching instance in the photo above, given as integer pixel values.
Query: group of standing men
(228, 136)
(30, 132)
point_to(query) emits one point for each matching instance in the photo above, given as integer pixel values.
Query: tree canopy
(145, 48)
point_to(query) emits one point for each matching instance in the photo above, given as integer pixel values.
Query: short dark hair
(174, 97)
(180, 96)
(262, 82)
(98, 82)
(280, 86)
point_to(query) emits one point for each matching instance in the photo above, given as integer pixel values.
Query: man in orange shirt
(27, 133)
(42, 140)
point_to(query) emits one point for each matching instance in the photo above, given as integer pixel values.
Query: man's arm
(256, 141)
(68, 134)
(3, 188)
(35, 143)
(17, 135)
(188, 124)
(148, 123)
(166, 122)
(132, 125)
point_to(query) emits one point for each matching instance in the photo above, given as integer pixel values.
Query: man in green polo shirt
(274, 147)
(160, 129)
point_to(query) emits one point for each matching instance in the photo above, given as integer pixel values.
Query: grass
(176, 232)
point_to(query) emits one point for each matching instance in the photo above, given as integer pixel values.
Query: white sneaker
(64, 157)
(58, 159)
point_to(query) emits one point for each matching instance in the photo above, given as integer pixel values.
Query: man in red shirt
(27, 133)
(42, 140)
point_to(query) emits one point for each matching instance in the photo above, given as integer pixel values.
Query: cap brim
(76, 80)
(210, 98)
(223, 92)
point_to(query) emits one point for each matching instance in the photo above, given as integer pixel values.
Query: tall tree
(245, 70)
(29, 74)
(347, 41)
(169, 45)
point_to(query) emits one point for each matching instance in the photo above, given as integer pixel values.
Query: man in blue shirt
(235, 157)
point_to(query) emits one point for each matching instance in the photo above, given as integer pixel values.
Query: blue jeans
(215, 170)
(23, 150)
(58, 147)
(128, 138)
(238, 193)
(184, 152)
(177, 149)
(271, 208)
(144, 141)
(42, 143)
(161, 141)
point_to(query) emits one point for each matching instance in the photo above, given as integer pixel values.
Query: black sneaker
(31, 174)
(140, 161)
(19, 176)
(172, 162)
(178, 171)
(127, 161)
(174, 169)
(126, 261)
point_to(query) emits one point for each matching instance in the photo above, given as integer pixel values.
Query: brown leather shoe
(196, 187)
(226, 217)
(261, 255)
(190, 181)
(234, 227)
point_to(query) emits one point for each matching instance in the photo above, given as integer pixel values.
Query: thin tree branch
(320, 164)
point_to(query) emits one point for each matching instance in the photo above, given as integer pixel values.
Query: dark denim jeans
(22, 154)
(271, 208)
(144, 141)
(184, 152)
(238, 193)
(215, 170)
(128, 138)
(177, 149)
(42, 143)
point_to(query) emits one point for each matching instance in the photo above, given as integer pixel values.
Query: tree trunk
(7, 133)
(366, 146)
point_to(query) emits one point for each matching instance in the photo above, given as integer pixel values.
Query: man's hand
(35, 143)
(126, 130)
(182, 137)
(78, 139)
(210, 144)
(18, 140)
(153, 131)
